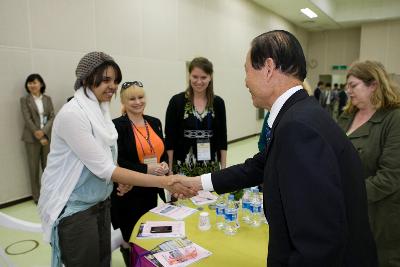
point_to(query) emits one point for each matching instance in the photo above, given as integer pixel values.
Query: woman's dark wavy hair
(96, 77)
(31, 78)
(283, 48)
(205, 65)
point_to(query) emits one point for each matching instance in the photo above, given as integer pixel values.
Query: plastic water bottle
(255, 206)
(220, 212)
(263, 218)
(246, 205)
(231, 217)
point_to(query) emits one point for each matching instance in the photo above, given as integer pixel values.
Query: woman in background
(371, 120)
(141, 149)
(195, 125)
(38, 113)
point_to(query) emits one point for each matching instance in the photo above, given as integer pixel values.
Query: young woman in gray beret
(81, 168)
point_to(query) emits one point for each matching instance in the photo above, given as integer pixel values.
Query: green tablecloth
(247, 248)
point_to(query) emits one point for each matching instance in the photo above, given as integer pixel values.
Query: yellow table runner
(247, 248)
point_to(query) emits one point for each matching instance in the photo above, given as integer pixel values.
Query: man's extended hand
(180, 189)
(194, 183)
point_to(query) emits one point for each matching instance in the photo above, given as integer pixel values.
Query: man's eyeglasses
(128, 84)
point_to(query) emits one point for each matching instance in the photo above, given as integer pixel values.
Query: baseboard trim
(242, 138)
(14, 202)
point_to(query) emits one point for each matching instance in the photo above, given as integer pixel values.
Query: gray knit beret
(87, 64)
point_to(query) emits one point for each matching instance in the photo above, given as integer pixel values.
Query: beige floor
(40, 256)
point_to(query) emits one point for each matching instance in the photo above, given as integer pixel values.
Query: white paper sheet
(174, 212)
(204, 197)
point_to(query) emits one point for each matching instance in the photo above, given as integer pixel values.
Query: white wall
(150, 39)
(373, 41)
(327, 48)
(381, 42)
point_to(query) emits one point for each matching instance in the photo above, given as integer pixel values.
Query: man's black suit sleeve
(309, 182)
(245, 175)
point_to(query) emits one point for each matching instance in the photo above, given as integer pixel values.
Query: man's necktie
(267, 133)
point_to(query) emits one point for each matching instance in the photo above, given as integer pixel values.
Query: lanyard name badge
(203, 149)
(203, 144)
(152, 157)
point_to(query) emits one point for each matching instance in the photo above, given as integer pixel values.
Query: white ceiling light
(309, 13)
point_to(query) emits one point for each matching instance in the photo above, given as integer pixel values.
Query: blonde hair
(387, 93)
(128, 93)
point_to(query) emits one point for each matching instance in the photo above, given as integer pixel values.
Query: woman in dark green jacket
(371, 120)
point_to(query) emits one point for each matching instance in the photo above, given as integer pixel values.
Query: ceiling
(334, 14)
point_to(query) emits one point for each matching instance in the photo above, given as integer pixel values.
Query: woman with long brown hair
(195, 124)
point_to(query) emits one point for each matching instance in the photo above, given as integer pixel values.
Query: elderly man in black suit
(314, 191)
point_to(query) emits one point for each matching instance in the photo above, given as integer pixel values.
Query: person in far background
(195, 124)
(38, 113)
(342, 99)
(371, 121)
(318, 90)
(335, 100)
(335, 89)
(328, 99)
(140, 148)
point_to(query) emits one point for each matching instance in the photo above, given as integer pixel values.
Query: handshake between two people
(182, 186)
(158, 169)
(179, 186)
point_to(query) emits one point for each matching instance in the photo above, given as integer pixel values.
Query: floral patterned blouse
(184, 126)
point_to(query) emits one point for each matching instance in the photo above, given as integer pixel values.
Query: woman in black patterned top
(195, 124)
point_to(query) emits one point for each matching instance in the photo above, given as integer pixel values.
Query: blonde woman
(371, 120)
(141, 149)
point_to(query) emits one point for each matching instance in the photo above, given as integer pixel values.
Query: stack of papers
(178, 252)
(204, 197)
(174, 212)
(178, 229)
(182, 256)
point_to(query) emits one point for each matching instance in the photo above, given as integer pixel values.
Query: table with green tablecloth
(247, 248)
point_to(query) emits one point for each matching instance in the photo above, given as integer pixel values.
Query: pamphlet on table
(174, 212)
(204, 197)
(177, 252)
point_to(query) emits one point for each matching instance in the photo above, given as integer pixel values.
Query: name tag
(203, 149)
(150, 159)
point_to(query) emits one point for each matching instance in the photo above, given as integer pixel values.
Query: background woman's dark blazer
(126, 210)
